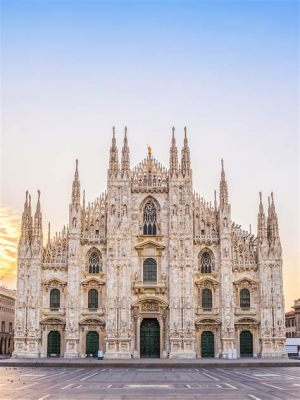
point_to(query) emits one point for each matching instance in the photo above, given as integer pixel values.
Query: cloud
(9, 235)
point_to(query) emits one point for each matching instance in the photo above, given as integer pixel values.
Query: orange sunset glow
(9, 234)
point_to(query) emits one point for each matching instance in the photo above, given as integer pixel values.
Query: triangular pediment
(92, 281)
(54, 282)
(150, 244)
(245, 280)
(207, 279)
(52, 321)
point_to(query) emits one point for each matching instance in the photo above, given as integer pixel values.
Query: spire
(125, 163)
(49, 234)
(261, 221)
(173, 155)
(25, 234)
(273, 231)
(215, 201)
(113, 159)
(185, 155)
(76, 187)
(38, 231)
(223, 188)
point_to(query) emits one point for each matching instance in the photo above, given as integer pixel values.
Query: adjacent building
(150, 269)
(292, 321)
(7, 313)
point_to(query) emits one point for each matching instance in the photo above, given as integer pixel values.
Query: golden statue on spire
(149, 151)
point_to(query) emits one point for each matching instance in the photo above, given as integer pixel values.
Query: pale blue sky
(227, 70)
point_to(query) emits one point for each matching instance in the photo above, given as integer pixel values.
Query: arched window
(205, 263)
(93, 298)
(54, 298)
(149, 219)
(94, 262)
(244, 298)
(150, 270)
(206, 298)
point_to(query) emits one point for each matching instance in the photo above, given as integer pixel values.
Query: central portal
(150, 338)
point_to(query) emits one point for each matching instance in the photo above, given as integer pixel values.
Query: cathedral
(150, 269)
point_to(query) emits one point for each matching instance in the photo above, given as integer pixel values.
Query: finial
(260, 197)
(113, 132)
(38, 204)
(173, 131)
(149, 151)
(222, 164)
(29, 201)
(185, 132)
(126, 132)
(76, 169)
(272, 198)
(26, 199)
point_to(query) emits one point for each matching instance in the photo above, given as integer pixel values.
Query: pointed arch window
(150, 270)
(205, 262)
(245, 298)
(94, 262)
(206, 299)
(150, 219)
(93, 299)
(54, 298)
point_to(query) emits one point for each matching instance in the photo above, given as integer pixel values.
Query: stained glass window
(244, 298)
(150, 270)
(149, 224)
(205, 263)
(94, 264)
(93, 298)
(54, 298)
(206, 298)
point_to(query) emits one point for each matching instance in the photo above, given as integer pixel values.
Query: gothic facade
(150, 269)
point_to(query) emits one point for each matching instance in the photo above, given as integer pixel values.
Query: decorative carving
(150, 306)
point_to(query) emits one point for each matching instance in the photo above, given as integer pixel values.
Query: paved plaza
(256, 383)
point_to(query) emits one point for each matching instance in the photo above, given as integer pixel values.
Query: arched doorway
(246, 344)
(149, 338)
(92, 343)
(53, 344)
(207, 344)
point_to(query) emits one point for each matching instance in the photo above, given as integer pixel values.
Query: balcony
(54, 311)
(207, 311)
(140, 287)
(245, 311)
(88, 311)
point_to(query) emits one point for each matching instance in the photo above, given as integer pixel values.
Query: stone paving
(256, 383)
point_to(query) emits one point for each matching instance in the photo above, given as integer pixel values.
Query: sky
(228, 70)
